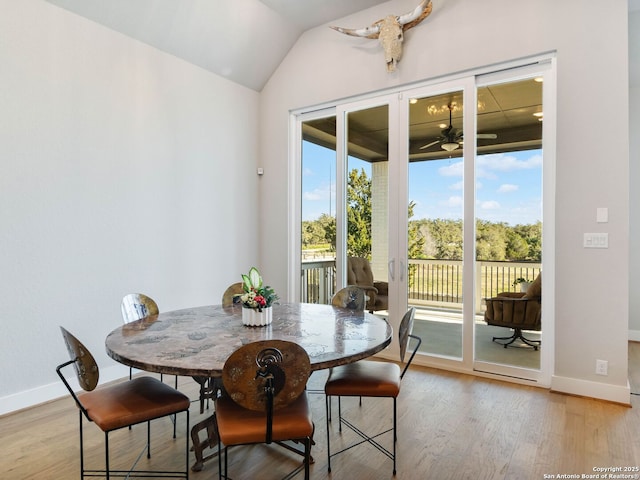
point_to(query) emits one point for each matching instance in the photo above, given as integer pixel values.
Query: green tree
(416, 240)
(359, 214)
(517, 247)
(328, 225)
(532, 234)
(491, 241)
(448, 238)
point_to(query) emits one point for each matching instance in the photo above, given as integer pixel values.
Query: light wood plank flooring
(451, 426)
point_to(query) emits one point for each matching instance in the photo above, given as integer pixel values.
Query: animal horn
(413, 18)
(372, 31)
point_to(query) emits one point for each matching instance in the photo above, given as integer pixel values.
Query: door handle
(391, 267)
(402, 269)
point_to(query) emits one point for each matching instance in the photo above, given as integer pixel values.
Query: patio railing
(432, 283)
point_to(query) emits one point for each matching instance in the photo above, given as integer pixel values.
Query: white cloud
(323, 192)
(503, 162)
(507, 188)
(490, 205)
(457, 185)
(453, 170)
(454, 201)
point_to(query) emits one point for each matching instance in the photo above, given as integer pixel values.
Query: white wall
(591, 309)
(122, 169)
(634, 176)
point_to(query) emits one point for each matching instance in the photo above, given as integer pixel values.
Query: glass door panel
(435, 221)
(318, 210)
(508, 223)
(367, 199)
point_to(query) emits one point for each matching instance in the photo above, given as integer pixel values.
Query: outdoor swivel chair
(518, 311)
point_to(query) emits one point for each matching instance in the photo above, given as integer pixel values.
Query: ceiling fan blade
(491, 136)
(429, 145)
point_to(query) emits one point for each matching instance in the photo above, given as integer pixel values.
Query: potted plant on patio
(523, 282)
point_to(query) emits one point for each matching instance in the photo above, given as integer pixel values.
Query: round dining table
(197, 341)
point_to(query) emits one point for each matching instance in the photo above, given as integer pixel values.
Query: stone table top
(197, 341)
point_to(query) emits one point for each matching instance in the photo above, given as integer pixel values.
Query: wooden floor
(451, 426)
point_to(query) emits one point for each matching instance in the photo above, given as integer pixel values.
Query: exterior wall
(590, 287)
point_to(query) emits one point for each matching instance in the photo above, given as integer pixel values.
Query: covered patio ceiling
(511, 111)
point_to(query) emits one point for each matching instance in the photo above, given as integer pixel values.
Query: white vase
(254, 318)
(524, 286)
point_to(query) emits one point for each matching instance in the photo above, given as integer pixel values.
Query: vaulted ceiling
(243, 40)
(246, 40)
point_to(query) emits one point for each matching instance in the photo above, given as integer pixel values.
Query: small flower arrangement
(256, 295)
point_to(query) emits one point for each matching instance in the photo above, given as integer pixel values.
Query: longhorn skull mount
(390, 31)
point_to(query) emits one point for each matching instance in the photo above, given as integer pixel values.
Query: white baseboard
(585, 388)
(634, 335)
(53, 391)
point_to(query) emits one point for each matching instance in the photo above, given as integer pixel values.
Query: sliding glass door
(439, 190)
(435, 219)
(509, 222)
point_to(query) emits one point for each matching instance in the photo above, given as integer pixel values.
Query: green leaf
(255, 278)
(246, 283)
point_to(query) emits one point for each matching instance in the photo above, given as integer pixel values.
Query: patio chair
(519, 311)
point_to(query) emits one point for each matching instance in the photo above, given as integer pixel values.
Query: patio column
(379, 219)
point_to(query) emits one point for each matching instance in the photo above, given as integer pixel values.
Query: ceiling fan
(451, 138)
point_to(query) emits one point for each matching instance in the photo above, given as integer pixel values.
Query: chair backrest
(247, 370)
(266, 375)
(135, 306)
(85, 365)
(351, 297)
(229, 297)
(359, 271)
(404, 333)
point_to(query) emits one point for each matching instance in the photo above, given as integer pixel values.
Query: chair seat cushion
(237, 425)
(131, 402)
(367, 378)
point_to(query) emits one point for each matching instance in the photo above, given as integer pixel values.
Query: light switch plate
(596, 240)
(602, 215)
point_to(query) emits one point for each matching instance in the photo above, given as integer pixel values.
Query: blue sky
(508, 186)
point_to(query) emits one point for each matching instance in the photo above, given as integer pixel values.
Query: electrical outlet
(602, 367)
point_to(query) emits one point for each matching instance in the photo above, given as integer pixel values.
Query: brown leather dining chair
(370, 378)
(351, 297)
(230, 295)
(264, 400)
(208, 389)
(113, 407)
(136, 306)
